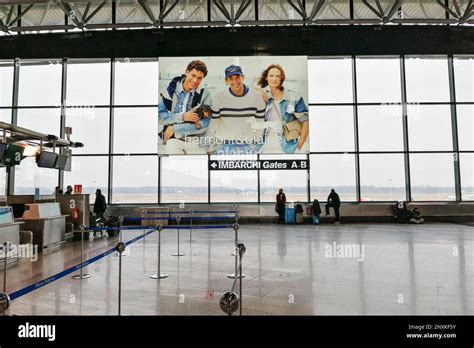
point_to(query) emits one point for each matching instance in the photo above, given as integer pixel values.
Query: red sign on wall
(77, 189)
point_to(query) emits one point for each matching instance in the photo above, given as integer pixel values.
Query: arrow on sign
(214, 165)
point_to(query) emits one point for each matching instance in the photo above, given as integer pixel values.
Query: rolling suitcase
(290, 215)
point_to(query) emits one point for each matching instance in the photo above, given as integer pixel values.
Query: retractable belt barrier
(196, 227)
(64, 273)
(229, 302)
(183, 218)
(191, 212)
(114, 228)
(70, 270)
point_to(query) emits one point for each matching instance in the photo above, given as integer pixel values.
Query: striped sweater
(233, 116)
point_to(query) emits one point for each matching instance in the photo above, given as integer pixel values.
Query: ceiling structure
(40, 16)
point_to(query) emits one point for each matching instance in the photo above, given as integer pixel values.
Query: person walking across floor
(335, 202)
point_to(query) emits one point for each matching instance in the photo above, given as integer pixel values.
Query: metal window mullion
(406, 146)
(114, 13)
(62, 120)
(258, 182)
(159, 179)
(208, 180)
(308, 178)
(160, 162)
(19, 22)
(10, 189)
(356, 127)
(161, 11)
(111, 130)
(256, 10)
(66, 22)
(454, 129)
(209, 12)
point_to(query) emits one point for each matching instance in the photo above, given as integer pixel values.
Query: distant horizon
(222, 194)
(150, 189)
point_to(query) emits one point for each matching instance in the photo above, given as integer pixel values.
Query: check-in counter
(9, 232)
(79, 202)
(46, 223)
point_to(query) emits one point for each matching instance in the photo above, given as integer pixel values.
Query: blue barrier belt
(208, 218)
(196, 227)
(166, 212)
(190, 212)
(64, 273)
(140, 219)
(115, 228)
(214, 211)
(184, 218)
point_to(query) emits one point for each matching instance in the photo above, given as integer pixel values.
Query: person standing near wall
(99, 205)
(280, 206)
(335, 202)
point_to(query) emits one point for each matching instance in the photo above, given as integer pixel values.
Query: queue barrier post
(82, 275)
(159, 275)
(120, 248)
(236, 253)
(178, 220)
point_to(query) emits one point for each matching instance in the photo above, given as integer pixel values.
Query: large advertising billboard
(233, 105)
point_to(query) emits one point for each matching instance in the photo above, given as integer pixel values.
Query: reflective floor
(289, 270)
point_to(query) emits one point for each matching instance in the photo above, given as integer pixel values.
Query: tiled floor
(404, 269)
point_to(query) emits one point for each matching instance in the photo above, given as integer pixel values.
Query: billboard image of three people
(233, 105)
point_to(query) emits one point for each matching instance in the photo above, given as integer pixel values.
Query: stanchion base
(159, 276)
(191, 241)
(176, 254)
(83, 276)
(232, 276)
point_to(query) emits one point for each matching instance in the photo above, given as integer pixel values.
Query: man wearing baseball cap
(234, 111)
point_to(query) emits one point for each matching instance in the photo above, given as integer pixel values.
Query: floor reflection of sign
(258, 164)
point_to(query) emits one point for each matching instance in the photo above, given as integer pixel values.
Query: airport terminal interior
(98, 215)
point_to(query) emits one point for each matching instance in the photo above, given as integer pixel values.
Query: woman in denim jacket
(283, 106)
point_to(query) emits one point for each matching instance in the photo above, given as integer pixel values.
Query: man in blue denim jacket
(177, 111)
